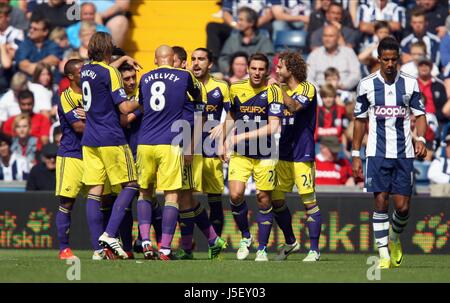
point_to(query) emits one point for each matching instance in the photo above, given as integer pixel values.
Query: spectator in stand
(420, 33)
(8, 33)
(43, 76)
(37, 48)
(331, 117)
(218, 33)
(444, 47)
(9, 103)
(330, 170)
(42, 176)
(433, 91)
(435, 13)
(369, 54)
(55, 11)
(418, 51)
(13, 167)
(56, 135)
(446, 108)
(249, 40)
(87, 13)
(439, 171)
(331, 54)
(343, 97)
(317, 18)
(59, 36)
(17, 18)
(238, 67)
(24, 144)
(114, 14)
(40, 124)
(347, 35)
(380, 10)
(87, 30)
(289, 15)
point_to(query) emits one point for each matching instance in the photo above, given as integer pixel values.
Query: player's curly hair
(100, 46)
(295, 64)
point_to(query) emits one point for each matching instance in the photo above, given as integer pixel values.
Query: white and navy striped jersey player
(389, 148)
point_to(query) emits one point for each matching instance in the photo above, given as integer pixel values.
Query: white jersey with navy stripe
(431, 41)
(372, 12)
(388, 108)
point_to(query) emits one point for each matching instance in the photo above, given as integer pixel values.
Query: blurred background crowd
(338, 40)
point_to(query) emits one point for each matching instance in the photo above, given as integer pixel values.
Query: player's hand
(224, 151)
(420, 149)
(133, 63)
(80, 113)
(188, 159)
(216, 132)
(357, 167)
(123, 120)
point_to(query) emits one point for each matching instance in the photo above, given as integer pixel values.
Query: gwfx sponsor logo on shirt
(252, 109)
(391, 111)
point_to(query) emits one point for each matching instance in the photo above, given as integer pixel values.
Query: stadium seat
(421, 172)
(290, 39)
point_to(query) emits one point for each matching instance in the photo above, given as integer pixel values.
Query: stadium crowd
(339, 39)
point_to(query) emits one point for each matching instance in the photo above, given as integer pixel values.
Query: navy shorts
(393, 176)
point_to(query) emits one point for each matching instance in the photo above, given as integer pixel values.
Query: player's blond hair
(21, 117)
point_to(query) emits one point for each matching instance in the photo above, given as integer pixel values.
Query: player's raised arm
(119, 95)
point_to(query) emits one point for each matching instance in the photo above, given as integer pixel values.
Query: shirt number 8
(158, 101)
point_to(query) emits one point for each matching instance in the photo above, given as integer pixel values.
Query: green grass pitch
(44, 266)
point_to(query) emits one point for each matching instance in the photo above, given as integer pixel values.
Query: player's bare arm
(128, 107)
(359, 128)
(419, 146)
(228, 125)
(292, 105)
(79, 126)
(126, 59)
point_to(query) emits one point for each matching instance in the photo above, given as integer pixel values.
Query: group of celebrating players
(121, 140)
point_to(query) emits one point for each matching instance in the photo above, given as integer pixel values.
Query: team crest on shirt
(275, 108)
(122, 93)
(264, 95)
(216, 93)
(302, 99)
(406, 98)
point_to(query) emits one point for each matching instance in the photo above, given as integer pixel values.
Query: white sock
(384, 252)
